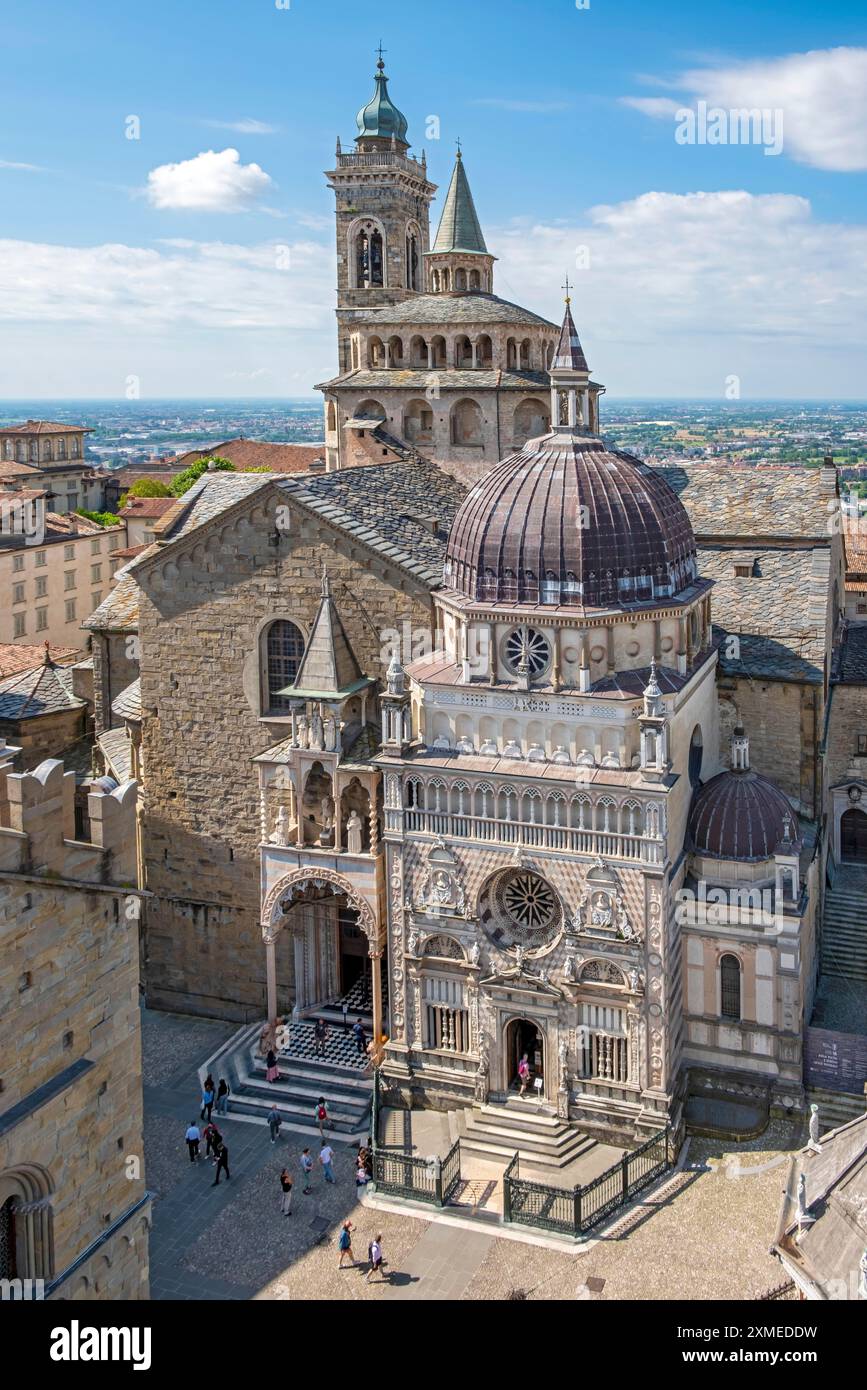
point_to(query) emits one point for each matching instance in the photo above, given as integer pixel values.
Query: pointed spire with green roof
(459, 228)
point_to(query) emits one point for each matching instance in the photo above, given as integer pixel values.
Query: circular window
(529, 647)
(521, 909)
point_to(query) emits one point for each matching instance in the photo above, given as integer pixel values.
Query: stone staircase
(341, 1077)
(496, 1132)
(844, 926)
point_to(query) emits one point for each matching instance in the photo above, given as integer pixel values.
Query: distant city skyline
(195, 260)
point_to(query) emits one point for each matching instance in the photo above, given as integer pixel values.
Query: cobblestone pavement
(704, 1235)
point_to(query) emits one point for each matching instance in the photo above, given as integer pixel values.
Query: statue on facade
(303, 731)
(520, 960)
(353, 833)
(475, 953)
(569, 967)
(326, 814)
(412, 942)
(634, 980)
(280, 834)
(600, 910)
(316, 730)
(330, 733)
(563, 1059)
(482, 1071)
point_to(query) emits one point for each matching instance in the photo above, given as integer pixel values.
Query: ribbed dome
(739, 815)
(380, 116)
(565, 521)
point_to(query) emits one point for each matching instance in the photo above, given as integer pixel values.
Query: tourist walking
(223, 1096)
(320, 1036)
(374, 1255)
(359, 1035)
(326, 1158)
(321, 1116)
(192, 1136)
(286, 1189)
(213, 1139)
(344, 1008)
(524, 1073)
(207, 1101)
(272, 1071)
(307, 1169)
(222, 1164)
(274, 1123)
(344, 1244)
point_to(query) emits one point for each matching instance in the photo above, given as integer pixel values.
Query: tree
(184, 481)
(148, 487)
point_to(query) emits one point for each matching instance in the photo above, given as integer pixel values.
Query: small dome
(739, 814)
(380, 116)
(568, 522)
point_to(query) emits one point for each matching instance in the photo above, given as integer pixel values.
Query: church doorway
(352, 945)
(523, 1037)
(853, 836)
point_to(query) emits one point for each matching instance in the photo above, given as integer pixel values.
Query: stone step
(299, 1117)
(497, 1133)
(835, 1107)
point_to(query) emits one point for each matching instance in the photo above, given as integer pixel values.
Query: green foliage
(184, 481)
(101, 518)
(148, 487)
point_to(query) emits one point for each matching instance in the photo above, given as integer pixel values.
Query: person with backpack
(360, 1036)
(344, 1244)
(274, 1123)
(286, 1189)
(321, 1116)
(524, 1073)
(307, 1169)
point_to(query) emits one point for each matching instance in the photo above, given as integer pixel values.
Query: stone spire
(328, 666)
(570, 354)
(573, 394)
(459, 228)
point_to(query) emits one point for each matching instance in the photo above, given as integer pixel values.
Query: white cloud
(822, 94)
(683, 289)
(246, 126)
(211, 285)
(26, 168)
(660, 107)
(213, 181)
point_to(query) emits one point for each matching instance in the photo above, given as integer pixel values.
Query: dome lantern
(380, 118)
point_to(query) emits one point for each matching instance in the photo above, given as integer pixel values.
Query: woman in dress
(272, 1071)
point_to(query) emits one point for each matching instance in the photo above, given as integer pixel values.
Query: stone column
(609, 643)
(300, 981)
(430, 360)
(271, 975)
(474, 352)
(375, 957)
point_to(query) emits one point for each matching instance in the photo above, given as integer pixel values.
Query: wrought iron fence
(404, 1175)
(450, 1173)
(572, 1210)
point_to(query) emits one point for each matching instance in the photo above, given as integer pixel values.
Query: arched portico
(316, 887)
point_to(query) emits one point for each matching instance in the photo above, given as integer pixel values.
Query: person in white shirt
(326, 1158)
(374, 1254)
(192, 1136)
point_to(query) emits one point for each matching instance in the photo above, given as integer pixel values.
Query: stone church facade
(479, 728)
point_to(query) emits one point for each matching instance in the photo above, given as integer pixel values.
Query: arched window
(368, 257)
(74, 450)
(26, 1231)
(485, 352)
(435, 281)
(61, 448)
(418, 422)
(445, 277)
(284, 649)
(371, 409)
(438, 351)
(695, 755)
(411, 258)
(474, 280)
(7, 449)
(460, 278)
(331, 417)
(531, 420)
(46, 450)
(466, 422)
(730, 987)
(34, 451)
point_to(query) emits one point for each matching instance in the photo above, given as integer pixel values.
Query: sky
(166, 228)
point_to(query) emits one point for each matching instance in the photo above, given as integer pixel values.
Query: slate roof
(852, 668)
(127, 705)
(471, 306)
(117, 751)
(831, 1246)
(444, 378)
(459, 228)
(213, 494)
(385, 507)
(736, 500)
(328, 664)
(254, 453)
(570, 354)
(777, 614)
(47, 689)
(118, 612)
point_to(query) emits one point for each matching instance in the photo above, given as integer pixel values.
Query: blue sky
(694, 264)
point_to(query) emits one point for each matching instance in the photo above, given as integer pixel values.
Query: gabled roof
(16, 657)
(118, 612)
(459, 228)
(735, 500)
(127, 705)
(328, 665)
(570, 354)
(44, 427)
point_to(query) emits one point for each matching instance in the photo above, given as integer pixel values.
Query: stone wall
(205, 609)
(784, 724)
(72, 1152)
(49, 736)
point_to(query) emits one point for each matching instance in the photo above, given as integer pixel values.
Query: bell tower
(382, 214)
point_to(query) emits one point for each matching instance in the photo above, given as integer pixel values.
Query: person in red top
(321, 1116)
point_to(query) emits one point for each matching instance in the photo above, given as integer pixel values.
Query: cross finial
(458, 143)
(567, 287)
(380, 64)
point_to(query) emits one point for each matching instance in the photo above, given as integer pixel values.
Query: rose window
(529, 647)
(521, 909)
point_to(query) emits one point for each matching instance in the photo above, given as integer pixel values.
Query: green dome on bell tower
(380, 118)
